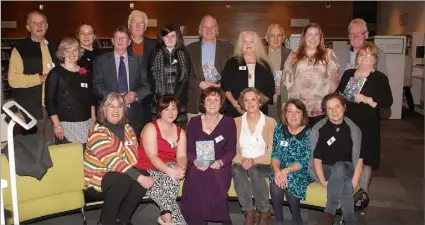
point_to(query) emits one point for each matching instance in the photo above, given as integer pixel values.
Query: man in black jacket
(30, 62)
(142, 46)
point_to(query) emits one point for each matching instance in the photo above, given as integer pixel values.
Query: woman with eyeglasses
(367, 90)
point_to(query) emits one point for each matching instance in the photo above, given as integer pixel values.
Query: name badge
(174, 144)
(242, 67)
(84, 85)
(331, 140)
(284, 143)
(218, 139)
(50, 65)
(128, 142)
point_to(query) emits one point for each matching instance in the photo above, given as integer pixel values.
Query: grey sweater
(356, 136)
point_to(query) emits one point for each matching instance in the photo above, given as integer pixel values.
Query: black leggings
(122, 196)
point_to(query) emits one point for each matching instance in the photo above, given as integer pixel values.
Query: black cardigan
(235, 79)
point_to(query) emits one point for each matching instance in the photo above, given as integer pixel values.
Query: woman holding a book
(162, 153)
(311, 72)
(367, 90)
(211, 147)
(252, 162)
(291, 152)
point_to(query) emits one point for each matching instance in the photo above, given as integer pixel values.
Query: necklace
(210, 124)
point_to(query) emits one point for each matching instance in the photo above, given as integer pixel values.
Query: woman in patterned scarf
(169, 68)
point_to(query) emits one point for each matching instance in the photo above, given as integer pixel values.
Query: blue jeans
(277, 200)
(340, 190)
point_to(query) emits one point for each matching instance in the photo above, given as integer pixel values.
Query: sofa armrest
(66, 175)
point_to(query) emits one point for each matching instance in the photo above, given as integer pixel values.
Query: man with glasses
(30, 62)
(277, 55)
(208, 58)
(142, 46)
(122, 72)
(358, 34)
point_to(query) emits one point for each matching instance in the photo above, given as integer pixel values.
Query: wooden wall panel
(64, 17)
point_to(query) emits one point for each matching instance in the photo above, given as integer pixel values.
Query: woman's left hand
(362, 98)
(217, 164)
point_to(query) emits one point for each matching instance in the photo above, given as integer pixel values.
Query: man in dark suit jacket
(142, 46)
(207, 50)
(123, 73)
(277, 55)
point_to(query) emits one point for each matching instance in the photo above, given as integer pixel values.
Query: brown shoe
(326, 219)
(249, 217)
(264, 218)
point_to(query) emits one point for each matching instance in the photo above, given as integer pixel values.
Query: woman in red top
(162, 153)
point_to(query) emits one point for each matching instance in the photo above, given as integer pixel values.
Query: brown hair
(107, 101)
(319, 56)
(96, 43)
(212, 91)
(260, 96)
(333, 95)
(122, 29)
(368, 47)
(299, 105)
(164, 102)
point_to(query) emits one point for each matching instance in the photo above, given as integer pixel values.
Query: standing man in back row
(30, 62)
(277, 55)
(208, 58)
(142, 46)
(358, 34)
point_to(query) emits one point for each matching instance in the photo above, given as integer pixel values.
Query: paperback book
(205, 155)
(354, 86)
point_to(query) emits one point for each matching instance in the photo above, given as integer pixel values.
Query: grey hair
(358, 21)
(67, 43)
(107, 101)
(36, 12)
(138, 12)
(270, 28)
(203, 20)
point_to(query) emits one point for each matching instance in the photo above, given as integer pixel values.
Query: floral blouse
(309, 82)
(289, 149)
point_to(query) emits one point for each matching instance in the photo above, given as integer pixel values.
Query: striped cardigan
(105, 153)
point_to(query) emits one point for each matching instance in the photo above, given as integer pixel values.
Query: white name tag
(242, 67)
(174, 144)
(218, 139)
(284, 143)
(84, 85)
(50, 65)
(331, 140)
(128, 142)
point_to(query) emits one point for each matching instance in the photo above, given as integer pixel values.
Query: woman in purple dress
(206, 184)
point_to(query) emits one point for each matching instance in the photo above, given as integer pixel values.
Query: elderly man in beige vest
(277, 54)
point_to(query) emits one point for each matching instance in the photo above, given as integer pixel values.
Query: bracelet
(58, 126)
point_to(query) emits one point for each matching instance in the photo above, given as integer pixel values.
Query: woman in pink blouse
(311, 72)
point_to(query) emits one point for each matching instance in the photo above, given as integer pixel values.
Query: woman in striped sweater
(108, 163)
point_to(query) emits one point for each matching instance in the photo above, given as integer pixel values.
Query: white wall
(388, 21)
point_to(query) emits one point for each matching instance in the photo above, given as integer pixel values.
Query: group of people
(127, 108)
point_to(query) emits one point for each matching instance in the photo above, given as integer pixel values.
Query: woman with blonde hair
(68, 95)
(248, 67)
(251, 165)
(311, 72)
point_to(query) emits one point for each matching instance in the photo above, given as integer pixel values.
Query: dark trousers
(340, 190)
(122, 196)
(277, 195)
(252, 182)
(409, 98)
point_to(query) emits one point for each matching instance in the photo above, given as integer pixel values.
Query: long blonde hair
(260, 51)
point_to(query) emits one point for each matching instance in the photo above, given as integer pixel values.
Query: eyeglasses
(120, 38)
(356, 34)
(138, 24)
(365, 54)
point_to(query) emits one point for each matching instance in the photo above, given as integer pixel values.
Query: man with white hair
(208, 58)
(358, 34)
(142, 46)
(277, 55)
